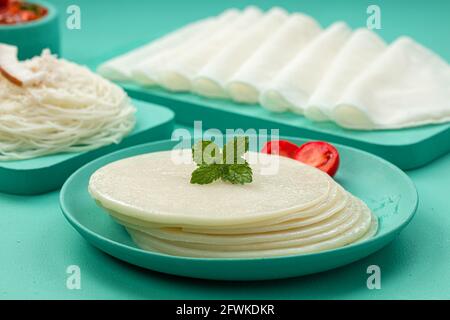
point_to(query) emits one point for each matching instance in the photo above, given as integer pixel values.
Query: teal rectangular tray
(407, 148)
(47, 173)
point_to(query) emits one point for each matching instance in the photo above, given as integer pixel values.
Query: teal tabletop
(38, 247)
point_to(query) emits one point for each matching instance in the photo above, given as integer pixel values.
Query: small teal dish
(32, 37)
(386, 189)
(47, 173)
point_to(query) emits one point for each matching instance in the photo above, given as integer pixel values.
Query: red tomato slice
(319, 154)
(282, 147)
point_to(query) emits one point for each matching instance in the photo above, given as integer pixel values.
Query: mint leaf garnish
(238, 173)
(206, 174)
(235, 149)
(206, 152)
(228, 164)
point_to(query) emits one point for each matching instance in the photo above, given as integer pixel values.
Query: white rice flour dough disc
(339, 237)
(146, 72)
(408, 85)
(318, 213)
(336, 201)
(294, 85)
(212, 78)
(264, 65)
(184, 68)
(119, 68)
(340, 221)
(153, 188)
(361, 50)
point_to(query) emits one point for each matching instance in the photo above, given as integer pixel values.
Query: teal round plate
(385, 189)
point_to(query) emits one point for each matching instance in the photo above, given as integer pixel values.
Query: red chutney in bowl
(18, 12)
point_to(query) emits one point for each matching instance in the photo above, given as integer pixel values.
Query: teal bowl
(32, 37)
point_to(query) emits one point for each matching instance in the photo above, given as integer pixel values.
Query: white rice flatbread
(298, 246)
(179, 74)
(119, 68)
(306, 217)
(361, 50)
(297, 209)
(147, 71)
(285, 62)
(335, 202)
(153, 188)
(335, 224)
(303, 218)
(264, 65)
(373, 229)
(212, 78)
(294, 85)
(408, 85)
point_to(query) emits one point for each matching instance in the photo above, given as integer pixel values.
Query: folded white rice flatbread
(119, 68)
(147, 71)
(292, 88)
(213, 77)
(361, 50)
(179, 74)
(408, 85)
(286, 62)
(264, 65)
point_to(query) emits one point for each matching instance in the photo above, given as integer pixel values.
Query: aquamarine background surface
(37, 244)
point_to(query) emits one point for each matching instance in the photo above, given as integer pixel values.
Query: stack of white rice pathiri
(288, 62)
(294, 210)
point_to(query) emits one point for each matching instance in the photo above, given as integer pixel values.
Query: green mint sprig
(227, 164)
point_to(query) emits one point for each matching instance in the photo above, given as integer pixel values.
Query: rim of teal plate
(77, 225)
